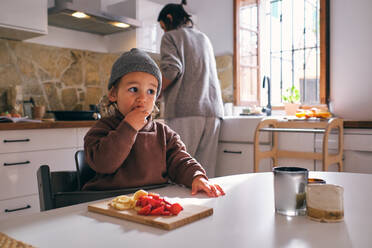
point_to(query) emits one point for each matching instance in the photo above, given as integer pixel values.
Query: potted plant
(291, 99)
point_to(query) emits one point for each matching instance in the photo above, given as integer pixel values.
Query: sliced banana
(124, 199)
(121, 206)
(139, 193)
(124, 202)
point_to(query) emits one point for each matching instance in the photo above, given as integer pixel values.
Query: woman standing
(192, 93)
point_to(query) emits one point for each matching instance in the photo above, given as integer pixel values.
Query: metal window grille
(294, 57)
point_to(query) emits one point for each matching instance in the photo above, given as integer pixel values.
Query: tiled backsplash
(69, 79)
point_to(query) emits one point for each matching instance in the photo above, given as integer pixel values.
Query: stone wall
(225, 75)
(69, 79)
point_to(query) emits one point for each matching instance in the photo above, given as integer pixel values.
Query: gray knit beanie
(132, 61)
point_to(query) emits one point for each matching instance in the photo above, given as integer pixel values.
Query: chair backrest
(50, 184)
(60, 189)
(85, 173)
(63, 188)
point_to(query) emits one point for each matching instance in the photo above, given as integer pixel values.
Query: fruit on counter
(314, 112)
(7, 114)
(146, 204)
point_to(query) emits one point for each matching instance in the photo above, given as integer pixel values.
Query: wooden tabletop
(45, 124)
(244, 217)
(72, 124)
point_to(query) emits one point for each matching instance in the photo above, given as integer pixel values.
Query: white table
(245, 217)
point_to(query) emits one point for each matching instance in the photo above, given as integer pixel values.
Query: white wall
(214, 18)
(351, 59)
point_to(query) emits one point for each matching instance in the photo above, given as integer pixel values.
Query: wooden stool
(305, 126)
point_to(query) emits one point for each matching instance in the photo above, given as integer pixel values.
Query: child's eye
(151, 91)
(133, 89)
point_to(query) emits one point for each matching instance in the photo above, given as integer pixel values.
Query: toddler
(128, 148)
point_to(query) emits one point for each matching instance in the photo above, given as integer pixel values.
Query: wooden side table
(303, 126)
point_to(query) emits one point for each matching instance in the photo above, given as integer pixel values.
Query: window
(284, 41)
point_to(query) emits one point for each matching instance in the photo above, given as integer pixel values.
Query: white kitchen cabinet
(80, 136)
(22, 152)
(19, 206)
(235, 147)
(23, 19)
(18, 170)
(357, 150)
(300, 142)
(37, 139)
(237, 158)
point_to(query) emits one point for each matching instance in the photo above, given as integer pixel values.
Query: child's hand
(201, 184)
(137, 118)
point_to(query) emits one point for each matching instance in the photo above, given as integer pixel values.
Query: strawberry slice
(155, 203)
(145, 210)
(175, 208)
(157, 211)
(167, 207)
(166, 213)
(154, 195)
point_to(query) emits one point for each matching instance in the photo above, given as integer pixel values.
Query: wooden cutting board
(190, 213)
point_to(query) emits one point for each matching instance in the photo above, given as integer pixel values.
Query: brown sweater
(123, 157)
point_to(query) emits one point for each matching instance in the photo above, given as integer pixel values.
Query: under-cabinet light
(120, 24)
(80, 15)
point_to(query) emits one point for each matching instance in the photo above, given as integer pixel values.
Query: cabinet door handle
(17, 209)
(18, 163)
(235, 152)
(16, 140)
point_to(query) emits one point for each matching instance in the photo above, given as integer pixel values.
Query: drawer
(80, 136)
(18, 170)
(358, 162)
(19, 206)
(37, 139)
(237, 158)
(332, 141)
(358, 142)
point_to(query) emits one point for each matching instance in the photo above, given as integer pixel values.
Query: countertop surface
(244, 217)
(74, 124)
(45, 124)
(347, 123)
(357, 124)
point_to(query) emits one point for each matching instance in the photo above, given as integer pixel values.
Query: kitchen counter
(357, 124)
(244, 217)
(347, 123)
(72, 124)
(45, 124)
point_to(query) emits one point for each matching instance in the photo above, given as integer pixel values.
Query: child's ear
(112, 94)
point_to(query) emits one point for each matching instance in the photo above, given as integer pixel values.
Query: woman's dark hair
(179, 16)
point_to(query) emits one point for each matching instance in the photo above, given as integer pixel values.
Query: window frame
(324, 84)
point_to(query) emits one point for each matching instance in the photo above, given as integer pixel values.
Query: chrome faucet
(267, 109)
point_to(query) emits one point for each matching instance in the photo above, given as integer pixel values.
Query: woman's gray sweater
(187, 59)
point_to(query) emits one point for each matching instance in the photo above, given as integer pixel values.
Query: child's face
(135, 90)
